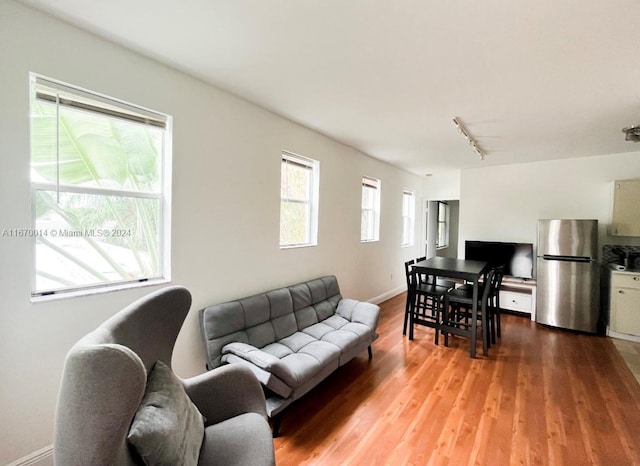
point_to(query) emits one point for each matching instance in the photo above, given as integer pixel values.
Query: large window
(370, 220)
(298, 201)
(408, 217)
(100, 190)
(443, 225)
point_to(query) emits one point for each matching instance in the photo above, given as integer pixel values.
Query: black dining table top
(450, 267)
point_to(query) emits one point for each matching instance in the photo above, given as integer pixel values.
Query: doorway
(441, 228)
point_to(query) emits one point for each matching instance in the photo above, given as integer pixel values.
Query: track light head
(632, 133)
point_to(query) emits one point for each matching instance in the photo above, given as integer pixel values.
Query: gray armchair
(104, 386)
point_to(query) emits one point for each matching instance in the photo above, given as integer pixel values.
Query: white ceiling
(531, 80)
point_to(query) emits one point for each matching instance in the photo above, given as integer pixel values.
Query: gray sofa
(291, 338)
(113, 409)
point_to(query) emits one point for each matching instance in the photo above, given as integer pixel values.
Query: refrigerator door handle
(549, 257)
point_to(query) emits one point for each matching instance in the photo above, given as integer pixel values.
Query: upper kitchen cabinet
(626, 208)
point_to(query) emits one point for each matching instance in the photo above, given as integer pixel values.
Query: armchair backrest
(104, 378)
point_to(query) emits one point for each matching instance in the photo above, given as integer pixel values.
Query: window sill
(98, 290)
(298, 246)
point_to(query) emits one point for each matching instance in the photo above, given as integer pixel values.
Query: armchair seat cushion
(227, 443)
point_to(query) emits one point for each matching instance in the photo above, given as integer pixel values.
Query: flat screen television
(517, 258)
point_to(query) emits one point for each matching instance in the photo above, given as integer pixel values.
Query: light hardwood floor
(541, 397)
(630, 352)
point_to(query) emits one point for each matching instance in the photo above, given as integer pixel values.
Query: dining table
(468, 270)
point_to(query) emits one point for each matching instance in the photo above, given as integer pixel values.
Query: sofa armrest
(359, 311)
(226, 392)
(261, 359)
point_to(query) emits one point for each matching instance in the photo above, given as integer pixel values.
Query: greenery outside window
(299, 188)
(408, 217)
(443, 225)
(100, 171)
(370, 218)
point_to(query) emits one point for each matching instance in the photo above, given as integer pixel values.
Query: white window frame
(96, 103)
(442, 236)
(372, 213)
(408, 217)
(311, 201)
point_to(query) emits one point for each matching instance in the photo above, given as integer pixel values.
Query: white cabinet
(624, 304)
(626, 215)
(519, 296)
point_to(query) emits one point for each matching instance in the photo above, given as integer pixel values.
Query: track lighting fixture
(632, 133)
(472, 142)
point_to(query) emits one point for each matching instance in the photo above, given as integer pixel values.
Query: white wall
(442, 186)
(504, 203)
(226, 174)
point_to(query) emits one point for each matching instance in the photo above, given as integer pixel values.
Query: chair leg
(407, 309)
(438, 303)
(497, 308)
(494, 332)
(445, 318)
(412, 305)
(484, 328)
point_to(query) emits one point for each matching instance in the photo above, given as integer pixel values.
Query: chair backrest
(105, 375)
(486, 290)
(407, 273)
(496, 281)
(419, 259)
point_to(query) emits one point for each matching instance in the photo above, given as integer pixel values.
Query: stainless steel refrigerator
(568, 274)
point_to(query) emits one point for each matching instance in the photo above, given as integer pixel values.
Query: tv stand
(518, 295)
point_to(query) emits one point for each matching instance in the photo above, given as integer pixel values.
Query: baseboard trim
(622, 336)
(42, 457)
(388, 295)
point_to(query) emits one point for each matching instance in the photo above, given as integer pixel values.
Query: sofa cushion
(297, 341)
(310, 360)
(306, 317)
(301, 357)
(301, 296)
(168, 428)
(324, 310)
(339, 331)
(261, 335)
(280, 303)
(255, 310)
(318, 290)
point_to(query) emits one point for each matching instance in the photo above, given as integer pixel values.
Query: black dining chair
(493, 305)
(410, 294)
(424, 303)
(457, 311)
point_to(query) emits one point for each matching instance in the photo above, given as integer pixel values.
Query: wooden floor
(541, 397)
